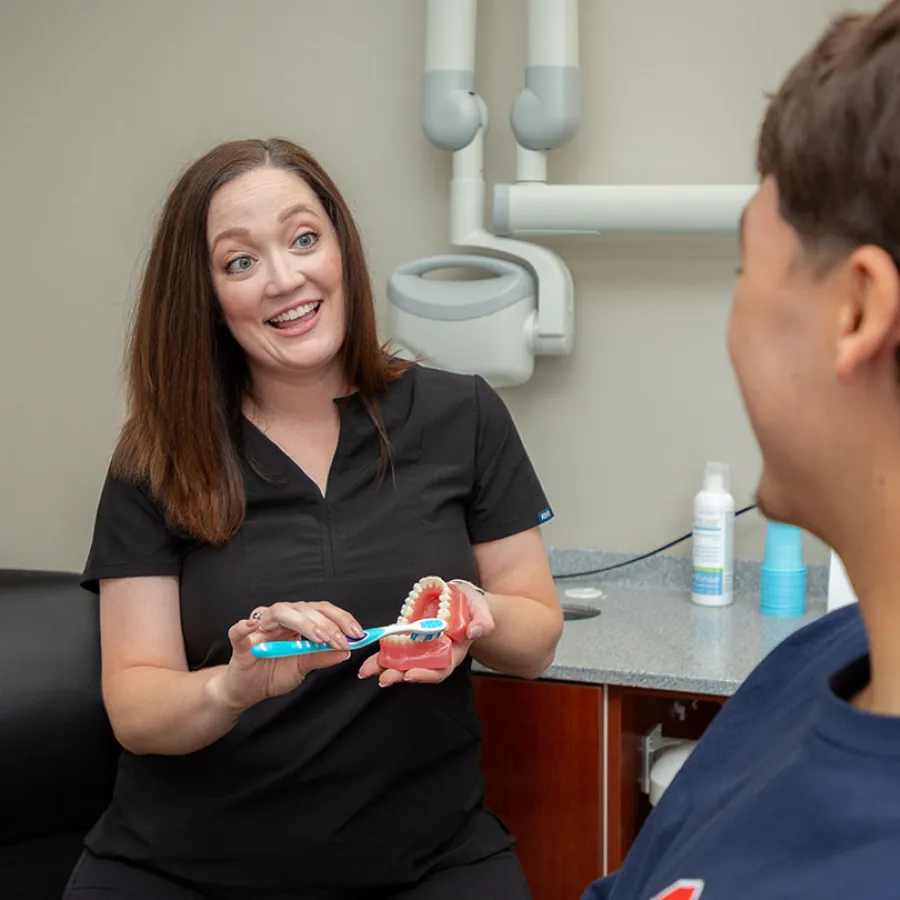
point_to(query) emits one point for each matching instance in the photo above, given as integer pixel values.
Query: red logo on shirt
(682, 890)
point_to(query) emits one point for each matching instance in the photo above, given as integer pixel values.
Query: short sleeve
(130, 537)
(507, 496)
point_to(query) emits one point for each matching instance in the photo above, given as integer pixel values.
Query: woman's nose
(285, 274)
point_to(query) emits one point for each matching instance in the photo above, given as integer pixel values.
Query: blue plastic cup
(783, 572)
(784, 548)
(782, 594)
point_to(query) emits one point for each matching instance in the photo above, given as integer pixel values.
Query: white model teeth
(409, 606)
(296, 313)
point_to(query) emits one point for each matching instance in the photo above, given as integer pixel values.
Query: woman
(281, 474)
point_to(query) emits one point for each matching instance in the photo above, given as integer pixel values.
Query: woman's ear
(870, 310)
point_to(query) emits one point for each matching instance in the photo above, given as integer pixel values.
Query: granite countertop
(650, 635)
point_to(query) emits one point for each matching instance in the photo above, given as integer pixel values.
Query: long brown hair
(187, 375)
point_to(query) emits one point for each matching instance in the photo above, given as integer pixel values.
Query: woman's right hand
(247, 680)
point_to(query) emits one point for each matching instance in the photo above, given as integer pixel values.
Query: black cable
(635, 559)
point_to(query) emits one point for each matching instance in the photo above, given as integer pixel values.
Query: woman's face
(276, 270)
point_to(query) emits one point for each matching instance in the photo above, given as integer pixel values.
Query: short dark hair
(831, 138)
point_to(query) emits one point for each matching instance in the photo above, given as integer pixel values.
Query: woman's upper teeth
(296, 312)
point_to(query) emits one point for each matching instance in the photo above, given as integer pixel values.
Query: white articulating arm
(546, 113)
(555, 323)
(545, 116)
(451, 110)
(450, 43)
(674, 209)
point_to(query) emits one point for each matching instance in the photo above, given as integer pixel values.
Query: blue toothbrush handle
(273, 649)
(276, 649)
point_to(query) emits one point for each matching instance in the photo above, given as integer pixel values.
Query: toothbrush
(423, 630)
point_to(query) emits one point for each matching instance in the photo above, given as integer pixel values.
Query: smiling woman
(282, 477)
(276, 270)
(250, 233)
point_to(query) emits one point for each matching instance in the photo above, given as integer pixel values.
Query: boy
(794, 791)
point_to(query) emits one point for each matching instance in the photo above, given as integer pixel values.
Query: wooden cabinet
(543, 766)
(562, 765)
(632, 713)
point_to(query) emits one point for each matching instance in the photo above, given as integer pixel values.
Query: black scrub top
(339, 784)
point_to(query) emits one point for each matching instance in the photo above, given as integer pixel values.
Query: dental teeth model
(434, 615)
(430, 597)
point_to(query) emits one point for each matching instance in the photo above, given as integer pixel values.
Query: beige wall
(102, 101)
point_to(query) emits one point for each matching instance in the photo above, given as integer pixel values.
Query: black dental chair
(58, 754)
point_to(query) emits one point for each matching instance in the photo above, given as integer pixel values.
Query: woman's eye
(238, 264)
(306, 241)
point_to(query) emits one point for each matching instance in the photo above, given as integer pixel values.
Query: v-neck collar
(349, 406)
(356, 430)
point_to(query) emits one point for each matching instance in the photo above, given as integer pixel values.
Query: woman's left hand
(482, 625)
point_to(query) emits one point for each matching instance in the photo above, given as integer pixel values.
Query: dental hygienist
(282, 474)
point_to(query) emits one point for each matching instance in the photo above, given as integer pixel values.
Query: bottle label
(712, 539)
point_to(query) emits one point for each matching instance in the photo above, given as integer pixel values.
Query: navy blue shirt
(792, 794)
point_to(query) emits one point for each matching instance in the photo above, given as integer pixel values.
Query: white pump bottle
(713, 539)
